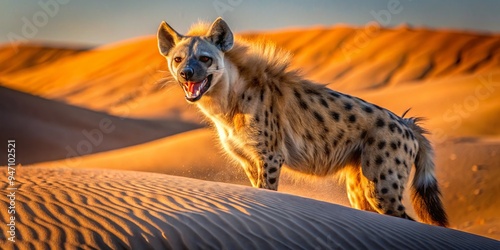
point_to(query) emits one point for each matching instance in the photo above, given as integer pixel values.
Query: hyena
(268, 115)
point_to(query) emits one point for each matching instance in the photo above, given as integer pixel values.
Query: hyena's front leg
(270, 169)
(264, 172)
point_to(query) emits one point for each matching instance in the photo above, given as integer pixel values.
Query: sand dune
(64, 208)
(49, 130)
(21, 57)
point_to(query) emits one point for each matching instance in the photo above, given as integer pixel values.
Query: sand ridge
(104, 209)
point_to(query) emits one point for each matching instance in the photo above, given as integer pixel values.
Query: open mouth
(194, 90)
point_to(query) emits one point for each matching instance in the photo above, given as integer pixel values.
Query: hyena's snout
(186, 73)
(194, 81)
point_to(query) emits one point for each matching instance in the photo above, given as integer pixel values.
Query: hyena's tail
(425, 194)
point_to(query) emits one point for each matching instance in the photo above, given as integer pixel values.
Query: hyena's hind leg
(385, 179)
(356, 189)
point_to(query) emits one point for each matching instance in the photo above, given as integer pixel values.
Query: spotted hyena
(268, 116)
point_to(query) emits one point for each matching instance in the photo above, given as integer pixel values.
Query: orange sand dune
(26, 56)
(61, 208)
(48, 130)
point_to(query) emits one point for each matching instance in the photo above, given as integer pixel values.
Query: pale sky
(94, 22)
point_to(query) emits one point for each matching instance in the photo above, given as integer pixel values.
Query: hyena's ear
(221, 35)
(167, 38)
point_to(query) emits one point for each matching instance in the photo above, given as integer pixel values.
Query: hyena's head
(196, 62)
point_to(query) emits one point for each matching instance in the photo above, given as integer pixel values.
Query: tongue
(194, 87)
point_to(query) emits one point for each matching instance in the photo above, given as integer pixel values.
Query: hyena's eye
(205, 59)
(177, 59)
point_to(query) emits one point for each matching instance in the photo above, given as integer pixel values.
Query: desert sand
(52, 95)
(103, 209)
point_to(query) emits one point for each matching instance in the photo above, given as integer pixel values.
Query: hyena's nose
(187, 73)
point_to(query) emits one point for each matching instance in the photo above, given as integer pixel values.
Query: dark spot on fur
(380, 123)
(400, 177)
(347, 106)
(382, 176)
(363, 134)
(395, 185)
(303, 105)
(381, 145)
(257, 118)
(340, 135)
(375, 180)
(311, 91)
(390, 171)
(272, 180)
(309, 136)
(384, 190)
(297, 94)
(270, 157)
(370, 140)
(265, 133)
(277, 90)
(367, 163)
(272, 170)
(262, 95)
(387, 154)
(352, 118)
(324, 103)
(379, 206)
(393, 200)
(405, 148)
(327, 149)
(335, 116)
(401, 208)
(392, 127)
(400, 198)
(318, 117)
(389, 212)
(397, 161)
(334, 94)
(379, 160)
(265, 164)
(367, 109)
(394, 146)
(243, 96)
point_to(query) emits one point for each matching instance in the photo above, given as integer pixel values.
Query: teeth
(196, 93)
